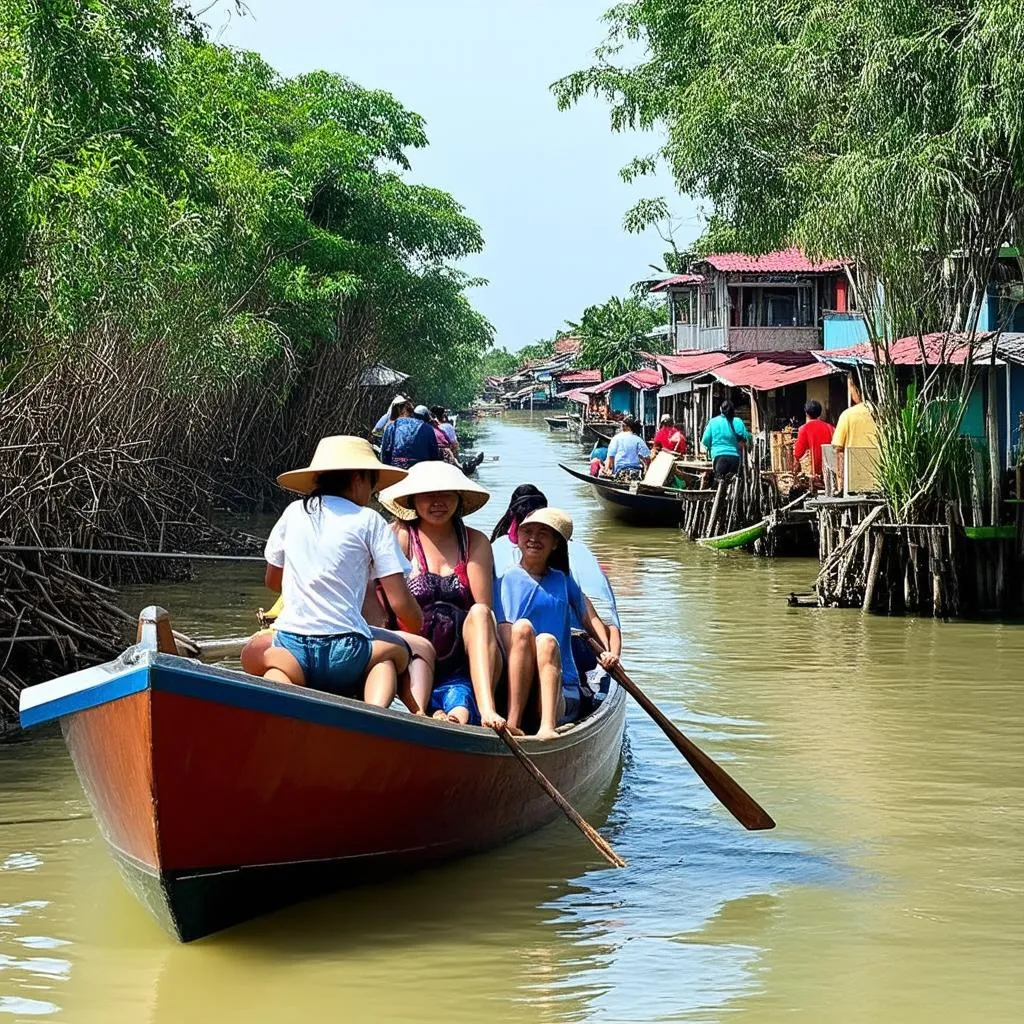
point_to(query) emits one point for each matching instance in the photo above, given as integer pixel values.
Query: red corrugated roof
(694, 361)
(580, 377)
(679, 279)
(641, 380)
(787, 261)
(766, 371)
(938, 348)
(581, 395)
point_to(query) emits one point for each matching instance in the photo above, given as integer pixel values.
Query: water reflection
(893, 891)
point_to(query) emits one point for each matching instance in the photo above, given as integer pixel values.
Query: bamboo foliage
(887, 134)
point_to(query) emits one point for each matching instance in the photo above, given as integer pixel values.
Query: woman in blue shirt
(725, 437)
(628, 455)
(535, 604)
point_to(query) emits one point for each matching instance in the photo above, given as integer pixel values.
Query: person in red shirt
(669, 438)
(811, 436)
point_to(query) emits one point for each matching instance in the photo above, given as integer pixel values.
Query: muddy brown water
(891, 753)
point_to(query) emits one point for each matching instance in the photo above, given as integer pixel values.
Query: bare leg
(415, 685)
(281, 667)
(387, 661)
(521, 647)
(549, 671)
(480, 636)
(458, 716)
(253, 652)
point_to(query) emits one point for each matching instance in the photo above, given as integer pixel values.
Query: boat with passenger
(222, 795)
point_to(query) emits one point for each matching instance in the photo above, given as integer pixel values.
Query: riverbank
(890, 892)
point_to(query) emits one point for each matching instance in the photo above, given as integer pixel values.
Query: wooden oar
(595, 837)
(736, 800)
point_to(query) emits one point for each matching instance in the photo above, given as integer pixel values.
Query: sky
(543, 185)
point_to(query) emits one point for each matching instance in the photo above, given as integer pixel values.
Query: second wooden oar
(733, 797)
(599, 842)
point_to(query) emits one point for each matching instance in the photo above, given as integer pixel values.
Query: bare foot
(515, 730)
(546, 734)
(441, 716)
(455, 720)
(420, 713)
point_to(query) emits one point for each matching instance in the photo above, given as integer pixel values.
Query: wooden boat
(737, 538)
(223, 796)
(557, 422)
(633, 502)
(594, 430)
(470, 462)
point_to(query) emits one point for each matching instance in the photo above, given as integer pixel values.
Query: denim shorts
(334, 664)
(455, 694)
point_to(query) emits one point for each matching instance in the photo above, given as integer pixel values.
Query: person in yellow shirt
(855, 428)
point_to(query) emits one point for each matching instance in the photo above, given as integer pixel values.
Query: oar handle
(736, 800)
(595, 837)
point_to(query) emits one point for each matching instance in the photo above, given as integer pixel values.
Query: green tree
(616, 333)
(499, 362)
(889, 134)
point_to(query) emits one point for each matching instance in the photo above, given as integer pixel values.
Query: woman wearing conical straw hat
(321, 554)
(453, 581)
(536, 602)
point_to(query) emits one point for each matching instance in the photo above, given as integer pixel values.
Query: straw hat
(339, 453)
(427, 477)
(554, 518)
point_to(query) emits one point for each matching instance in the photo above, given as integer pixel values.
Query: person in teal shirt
(725, 437)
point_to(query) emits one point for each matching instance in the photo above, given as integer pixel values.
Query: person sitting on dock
(408, 440)
(855, 428)
(725, 438)
(537, 601)
(628, 454)
(321, 554)
(453, 582)
(669, 438)
(809, 439)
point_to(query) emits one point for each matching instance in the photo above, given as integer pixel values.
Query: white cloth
(329, 555)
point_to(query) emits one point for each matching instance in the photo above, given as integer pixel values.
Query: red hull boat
(223, 796)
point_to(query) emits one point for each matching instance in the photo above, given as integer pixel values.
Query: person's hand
(608, 660)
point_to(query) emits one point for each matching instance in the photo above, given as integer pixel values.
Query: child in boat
(584, 569)
(535, 605)
(321, 554)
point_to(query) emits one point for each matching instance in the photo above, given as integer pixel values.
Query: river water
(891, 753)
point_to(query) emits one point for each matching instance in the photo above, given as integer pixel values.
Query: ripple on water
(889, 752)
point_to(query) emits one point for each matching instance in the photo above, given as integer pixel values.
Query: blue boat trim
(118, 686)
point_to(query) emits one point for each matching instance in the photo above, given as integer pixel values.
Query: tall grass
(923, 460)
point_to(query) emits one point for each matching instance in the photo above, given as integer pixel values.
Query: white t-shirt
(329, 555)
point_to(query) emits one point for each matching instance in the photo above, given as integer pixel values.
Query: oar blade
(733, 797)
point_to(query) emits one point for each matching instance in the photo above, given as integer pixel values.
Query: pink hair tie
(513, 532)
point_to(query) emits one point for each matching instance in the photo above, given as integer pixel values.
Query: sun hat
(398, 400)
(337, 453)
(426, 478)
(422, 412)
(665, 419)
(554, 518)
